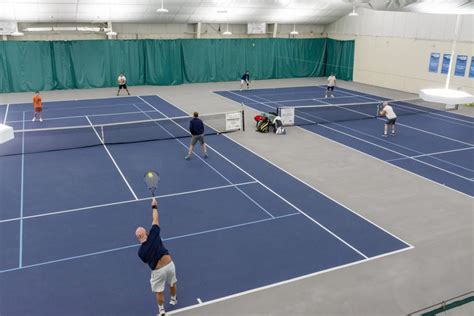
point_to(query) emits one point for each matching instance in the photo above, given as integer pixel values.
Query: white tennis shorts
(163, 275)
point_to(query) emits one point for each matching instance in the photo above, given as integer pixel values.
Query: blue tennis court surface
(233, 222)
(438, 146)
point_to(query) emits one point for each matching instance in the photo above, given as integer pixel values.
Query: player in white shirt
(331, 85)
(387, 110)
(122, 82)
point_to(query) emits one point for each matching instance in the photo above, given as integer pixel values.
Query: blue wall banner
(471, 70)
(434, 62)
(461, 63)
(445, 65)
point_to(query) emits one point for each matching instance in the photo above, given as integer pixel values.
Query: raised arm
(154, 207)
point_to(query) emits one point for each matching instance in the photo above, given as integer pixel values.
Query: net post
(243, 118)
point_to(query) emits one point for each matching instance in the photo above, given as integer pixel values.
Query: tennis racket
(379, 109)
(151, 179)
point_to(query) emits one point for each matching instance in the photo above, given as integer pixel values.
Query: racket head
(379, 108)
(152, 178)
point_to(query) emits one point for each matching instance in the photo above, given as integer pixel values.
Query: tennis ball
(150, 174)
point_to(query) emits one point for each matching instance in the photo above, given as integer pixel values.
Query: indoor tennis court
(335, 176)
(430, 142)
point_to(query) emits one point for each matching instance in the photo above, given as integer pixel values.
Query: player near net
(196, 127)
(38, 107)
(245, 79)
(153, 253)
(122, 82)
(391, 117)
(331, 85)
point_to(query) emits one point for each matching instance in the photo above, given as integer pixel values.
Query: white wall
(392, 49)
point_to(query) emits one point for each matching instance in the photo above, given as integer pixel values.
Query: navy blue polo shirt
(246, 77)
(152, 249)
(196, 126)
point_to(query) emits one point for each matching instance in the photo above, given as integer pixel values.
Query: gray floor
(436, 220)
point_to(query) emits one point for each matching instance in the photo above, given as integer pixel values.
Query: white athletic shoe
(41, 120)
(33, 119)
(332, 96)
(173, 301)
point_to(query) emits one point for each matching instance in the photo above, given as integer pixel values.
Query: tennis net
(28, 141)
(331, 113)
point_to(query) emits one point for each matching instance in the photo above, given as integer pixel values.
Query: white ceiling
(207, 11)
(180, 11)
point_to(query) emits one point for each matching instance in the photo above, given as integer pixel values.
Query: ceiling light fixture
(38, 29)
(227, 32)
(162, 9)
(353, 13)
(294, 32)
(88, 29)
(111, 33)
(16, 33)
(64, 28)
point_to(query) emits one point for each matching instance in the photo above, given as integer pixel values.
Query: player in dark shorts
(245, 80)
(122, 82)
(391, 117)
(196, 127)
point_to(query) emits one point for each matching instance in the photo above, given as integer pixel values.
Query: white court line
(83, 116)
(282, 198)
(6, 114)
(112, 158)
(231, 226)
(20, 260)
(449, 118)
(125, 202)
(296, 100)
(211, 167)
(366, 154)
(136, 245)
(199, 300)
(225, 298)
(438, 153)
(69, 107)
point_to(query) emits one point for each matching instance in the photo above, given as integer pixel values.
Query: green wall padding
(41, 65)
(340, 59)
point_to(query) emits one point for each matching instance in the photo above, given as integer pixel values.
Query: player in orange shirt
(38, 106)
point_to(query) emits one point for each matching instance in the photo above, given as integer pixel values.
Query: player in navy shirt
(156, 256)
(245, 80)
(196, 127)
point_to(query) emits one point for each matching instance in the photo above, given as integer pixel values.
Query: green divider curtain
(340, 59)
(163, 62)
(41, 65)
